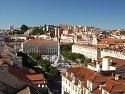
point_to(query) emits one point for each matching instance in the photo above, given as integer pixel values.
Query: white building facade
(95, 52)
(89, 51)
(40, 46)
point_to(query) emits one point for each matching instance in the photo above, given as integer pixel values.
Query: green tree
(45, 65)
(85, 62)
(25, 60)
(35, 56)
(37, 30)
(54, 72)
(67, 47)
(24, 27)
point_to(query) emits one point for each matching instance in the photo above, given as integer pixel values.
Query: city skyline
(104, 14)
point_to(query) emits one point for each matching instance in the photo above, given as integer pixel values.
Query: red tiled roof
(114, 88)
(18, 72)
(90, 46)
(34, 77)
(38, 41)
(111, 41)
(97, 91)
(28, 69)
(25, 75)
(97, 78)
(85, 73)
(110, 82)
(110, 77)
(121, 81)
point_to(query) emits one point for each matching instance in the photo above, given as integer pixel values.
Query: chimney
(18, 61)
(112, 74)
(106, 63)
(118, 77)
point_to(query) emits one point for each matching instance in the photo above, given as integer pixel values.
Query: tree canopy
(46, 66)
(67, 47)
(25, 60)
(37, 30)
(74, 56)
(24, 27)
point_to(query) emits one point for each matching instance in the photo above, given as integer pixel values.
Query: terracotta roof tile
(110, 77)
(38, 41)
(111, 41)
(97, 91)
(18, 72)
(28, 69)
(90, 46)
(97, 78)
(37, 78)
(114, 88)
(81, 73)
(34, 77)
(110, 82)
(121, 81)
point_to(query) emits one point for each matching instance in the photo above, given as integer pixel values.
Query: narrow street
(53, 84)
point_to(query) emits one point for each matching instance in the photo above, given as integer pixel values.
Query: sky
(104, 14)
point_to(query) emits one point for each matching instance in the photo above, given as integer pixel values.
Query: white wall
(87, 51)
(105, 64)
(51, 49)
(113, 53)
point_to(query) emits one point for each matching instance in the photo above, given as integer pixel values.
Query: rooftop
(38, 41)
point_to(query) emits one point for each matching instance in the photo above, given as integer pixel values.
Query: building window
(75, 89)
(84, 91)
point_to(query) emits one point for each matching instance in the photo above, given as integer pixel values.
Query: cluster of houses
(105, 75)
(16, 78)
